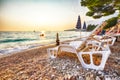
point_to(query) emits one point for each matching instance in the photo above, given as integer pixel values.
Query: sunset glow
(48, 15)
(41, 15)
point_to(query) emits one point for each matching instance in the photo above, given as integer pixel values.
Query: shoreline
(29, 49)
(35, 64)
(43, 46)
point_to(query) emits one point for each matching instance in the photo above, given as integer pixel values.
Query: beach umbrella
(84, 26)
(78, 25)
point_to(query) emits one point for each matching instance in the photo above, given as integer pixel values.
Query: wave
(15, 40)
(18, 48)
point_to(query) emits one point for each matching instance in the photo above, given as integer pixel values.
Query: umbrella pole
(80, 33)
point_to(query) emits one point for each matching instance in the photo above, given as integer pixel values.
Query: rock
(73, 78)
(52, 77)
(63, 67)
(78, 67)
(99, 73)
(107, 77)
(98, 78)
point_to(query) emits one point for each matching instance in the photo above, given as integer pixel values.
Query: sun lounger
(90, 55)
(109, 41)
(71, 47)
(102, 43)
(114, 31)
(104, 51)
(105, 40)
(52, 52)
(74, 45)
(94, 43)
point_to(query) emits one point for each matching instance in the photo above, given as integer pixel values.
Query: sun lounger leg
(105, 55)
(52, 52)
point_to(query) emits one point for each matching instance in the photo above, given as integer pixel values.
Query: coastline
(27, 50)
(38, 47)
(35, 64)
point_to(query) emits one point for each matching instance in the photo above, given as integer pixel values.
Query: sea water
(17, 41)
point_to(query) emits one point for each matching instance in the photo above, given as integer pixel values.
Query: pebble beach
(35, 64)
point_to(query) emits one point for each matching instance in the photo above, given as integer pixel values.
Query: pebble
(63, 68)
(72, 70)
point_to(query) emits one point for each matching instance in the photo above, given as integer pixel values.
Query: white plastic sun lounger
(94, 43)
(109, 41)
(52, 52)
(112, 40)
(105, 54)
(71, 47)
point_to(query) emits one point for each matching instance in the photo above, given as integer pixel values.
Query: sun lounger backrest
(75, 44)
(94, 43)
(91, 34)
(110, 39)
(66, 48)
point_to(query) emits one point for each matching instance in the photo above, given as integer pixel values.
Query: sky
(41, 15)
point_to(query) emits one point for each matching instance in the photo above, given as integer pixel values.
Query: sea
(12, 42)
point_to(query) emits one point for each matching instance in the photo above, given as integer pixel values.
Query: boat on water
(42, 34)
